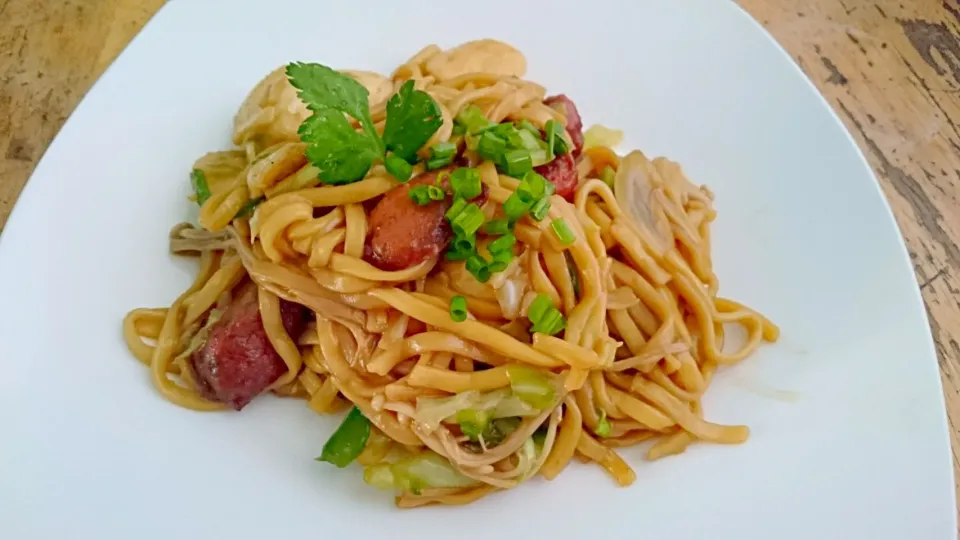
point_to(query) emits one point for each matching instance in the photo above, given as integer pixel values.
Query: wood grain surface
(891, 70)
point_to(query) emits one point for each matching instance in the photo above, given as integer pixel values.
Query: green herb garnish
(412, 118)
(200, 187)
(342, 153)
(398, 167)
(458, 308)
(348, 441)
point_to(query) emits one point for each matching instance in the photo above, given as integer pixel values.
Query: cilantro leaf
(322, 88)
(342, 154)
(412, 118)
(200, 186)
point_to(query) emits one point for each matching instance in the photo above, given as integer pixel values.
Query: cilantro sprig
(412, 118)
(342, 153)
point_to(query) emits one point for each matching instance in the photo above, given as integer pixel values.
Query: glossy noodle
(472, 358)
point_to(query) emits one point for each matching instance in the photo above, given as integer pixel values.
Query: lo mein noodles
(489, 290)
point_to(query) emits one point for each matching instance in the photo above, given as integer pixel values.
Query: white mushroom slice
(635, 186)
(271, 113)
(481, 56)
(380, 87)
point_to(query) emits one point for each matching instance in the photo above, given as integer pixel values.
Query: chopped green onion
(435, 193)
(515, 139)
(504, 243)
(540, 157)
(457, 207)
(458, 308)
(348, 441)
(473, 422)
(549, 187)
(465, 182)
(540, 209)
(465, 244)
(478, 268)
(550, 132)
(200, 186)
(443, 150)
(473, 120)
(420, 195)
(552, 322)
(529, 140)
(504, 129)
(561, 144)
(501, 260)
(473, 141)
(436, 163)
(515, 207)
(247, 209)
(491, 146)
(608, 175)
(517, 162)
(527, 125)
(538, 308)
(545, 318)
(532, 188)
(398, 167)
(498, 226)
(556, 143)
(603, 427)
(458, 129)
(468, 221)
(563, 232)
(457, 255)
(531, 386)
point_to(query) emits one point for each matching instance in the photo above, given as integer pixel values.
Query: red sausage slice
(402, 234)
(237, 361)
(562, 171)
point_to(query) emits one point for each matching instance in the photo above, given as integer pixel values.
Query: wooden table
(890, 68)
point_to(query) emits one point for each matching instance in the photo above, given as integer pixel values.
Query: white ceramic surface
(857, 446)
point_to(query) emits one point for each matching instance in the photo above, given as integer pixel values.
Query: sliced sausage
(562, 171)
(402, 233)
(237, 362)
(568, 109)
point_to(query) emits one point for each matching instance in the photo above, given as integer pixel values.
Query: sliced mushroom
(271, 113)
(481, 56)
(634, 186)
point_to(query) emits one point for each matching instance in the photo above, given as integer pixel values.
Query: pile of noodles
(645, 325)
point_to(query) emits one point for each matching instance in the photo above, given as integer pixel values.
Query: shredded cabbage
(598, 135)
(426, 470)
(431, 412)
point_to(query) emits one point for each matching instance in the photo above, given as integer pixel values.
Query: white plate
(90, 450)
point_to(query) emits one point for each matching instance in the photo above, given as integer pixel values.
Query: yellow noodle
(607, 458)
(644, 328)
(570, 429)
(492, 338)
